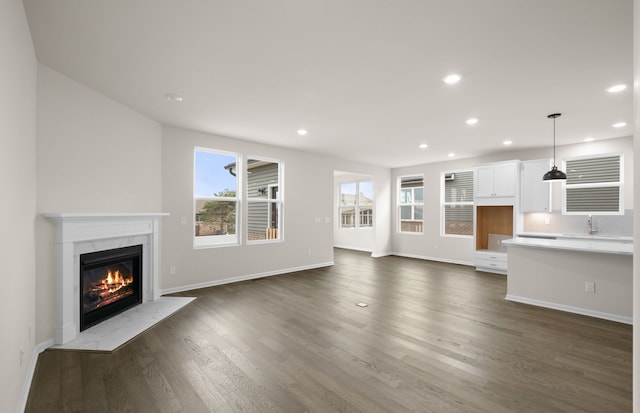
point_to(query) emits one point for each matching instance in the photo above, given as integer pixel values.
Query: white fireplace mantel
(81, 233)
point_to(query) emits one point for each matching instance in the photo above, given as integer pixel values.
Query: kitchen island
(585, 275)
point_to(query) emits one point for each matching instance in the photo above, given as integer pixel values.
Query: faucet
(590, 229)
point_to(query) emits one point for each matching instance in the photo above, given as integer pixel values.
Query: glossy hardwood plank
(435, 338)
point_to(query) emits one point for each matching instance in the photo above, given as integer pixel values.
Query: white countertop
(574, 236)
(608, 246)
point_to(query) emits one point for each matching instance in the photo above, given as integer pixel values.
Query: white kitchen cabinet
(536, 193)
(497, 180)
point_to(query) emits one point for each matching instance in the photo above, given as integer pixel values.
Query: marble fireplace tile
(119, 329)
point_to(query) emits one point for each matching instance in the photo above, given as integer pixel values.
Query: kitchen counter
(550, 235)
(611, 245)
(581, 275)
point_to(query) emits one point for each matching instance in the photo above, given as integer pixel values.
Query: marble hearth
(80, 233)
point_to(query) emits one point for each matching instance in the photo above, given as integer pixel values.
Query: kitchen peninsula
(587, 275)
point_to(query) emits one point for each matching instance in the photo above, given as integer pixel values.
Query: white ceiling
(364, 77)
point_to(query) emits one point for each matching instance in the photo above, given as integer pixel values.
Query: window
(411, 203)
(594, 185)
(216, 201)
(264, 200)
(457, 203)
(356, 204)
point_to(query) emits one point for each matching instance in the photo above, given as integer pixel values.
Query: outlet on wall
(590, 287)
(172, 270)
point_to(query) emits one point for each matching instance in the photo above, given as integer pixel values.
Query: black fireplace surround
(110, 282)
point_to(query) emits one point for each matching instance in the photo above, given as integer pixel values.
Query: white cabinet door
(484, 181)
(497, 180)
(536, 194)
(505, 179)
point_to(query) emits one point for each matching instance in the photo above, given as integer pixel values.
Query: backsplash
(618, 225)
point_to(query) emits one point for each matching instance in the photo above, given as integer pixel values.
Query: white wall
(93, 155)
(17, 209)
(431, 245)
(307, 185)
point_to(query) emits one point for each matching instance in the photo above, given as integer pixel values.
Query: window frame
(412, 204)
(619, 184)
(444, 204)
(357, 207)
(212, 241)
(278, 202)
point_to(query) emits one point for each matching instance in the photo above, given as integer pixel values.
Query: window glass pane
(217, 218)
(366, 192)
(262, 176)
(417, 193)
(215, 174)
(348, 193)
(262, 220)
(405, 196)
(458, 187)
(601, 199)
(417, 213)
(458, 219)
(405, 212)
(347, 217)
(593, 170)
(366, 216)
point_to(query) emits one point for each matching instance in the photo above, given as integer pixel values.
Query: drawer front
(495, 264)
(488, 256)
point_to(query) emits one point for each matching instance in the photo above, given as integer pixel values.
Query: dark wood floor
(434, 338)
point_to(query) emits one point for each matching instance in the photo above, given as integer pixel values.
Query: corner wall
(306, 188)
(17, 209)
(93, 155)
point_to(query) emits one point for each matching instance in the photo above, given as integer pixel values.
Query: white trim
(570, 309)
(380, 254)
(437, 259)
(244, 278)
(26, 387)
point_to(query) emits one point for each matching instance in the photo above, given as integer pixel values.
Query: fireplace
(110, 282)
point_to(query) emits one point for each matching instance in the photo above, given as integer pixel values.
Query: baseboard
(244, 278)
(570, 309)
(39, 348)
(437, 259)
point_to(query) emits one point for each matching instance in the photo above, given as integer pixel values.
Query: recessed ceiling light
(507, 142)
(452, 79)
(302, 132)
(588, 139)
(423, 146)
(471, 121)
(451, 155)
(172, 97)
(617, 88)
(619, 124)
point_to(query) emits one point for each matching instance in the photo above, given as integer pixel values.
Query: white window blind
(594, 185)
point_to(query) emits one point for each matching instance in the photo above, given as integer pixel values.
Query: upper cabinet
(497, 180)
(536, 193)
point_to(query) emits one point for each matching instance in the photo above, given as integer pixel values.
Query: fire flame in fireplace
(111, 283)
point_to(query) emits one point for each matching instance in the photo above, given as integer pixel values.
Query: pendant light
(554, 174)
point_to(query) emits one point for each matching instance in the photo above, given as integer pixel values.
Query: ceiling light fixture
(617, 88)
(507, 143)
(471, 121)
(172, 97)
(452, 79)
(554, 174)
(588, 139)
(423, 146)
(619, 124)
(302, 132)
(451, 155)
